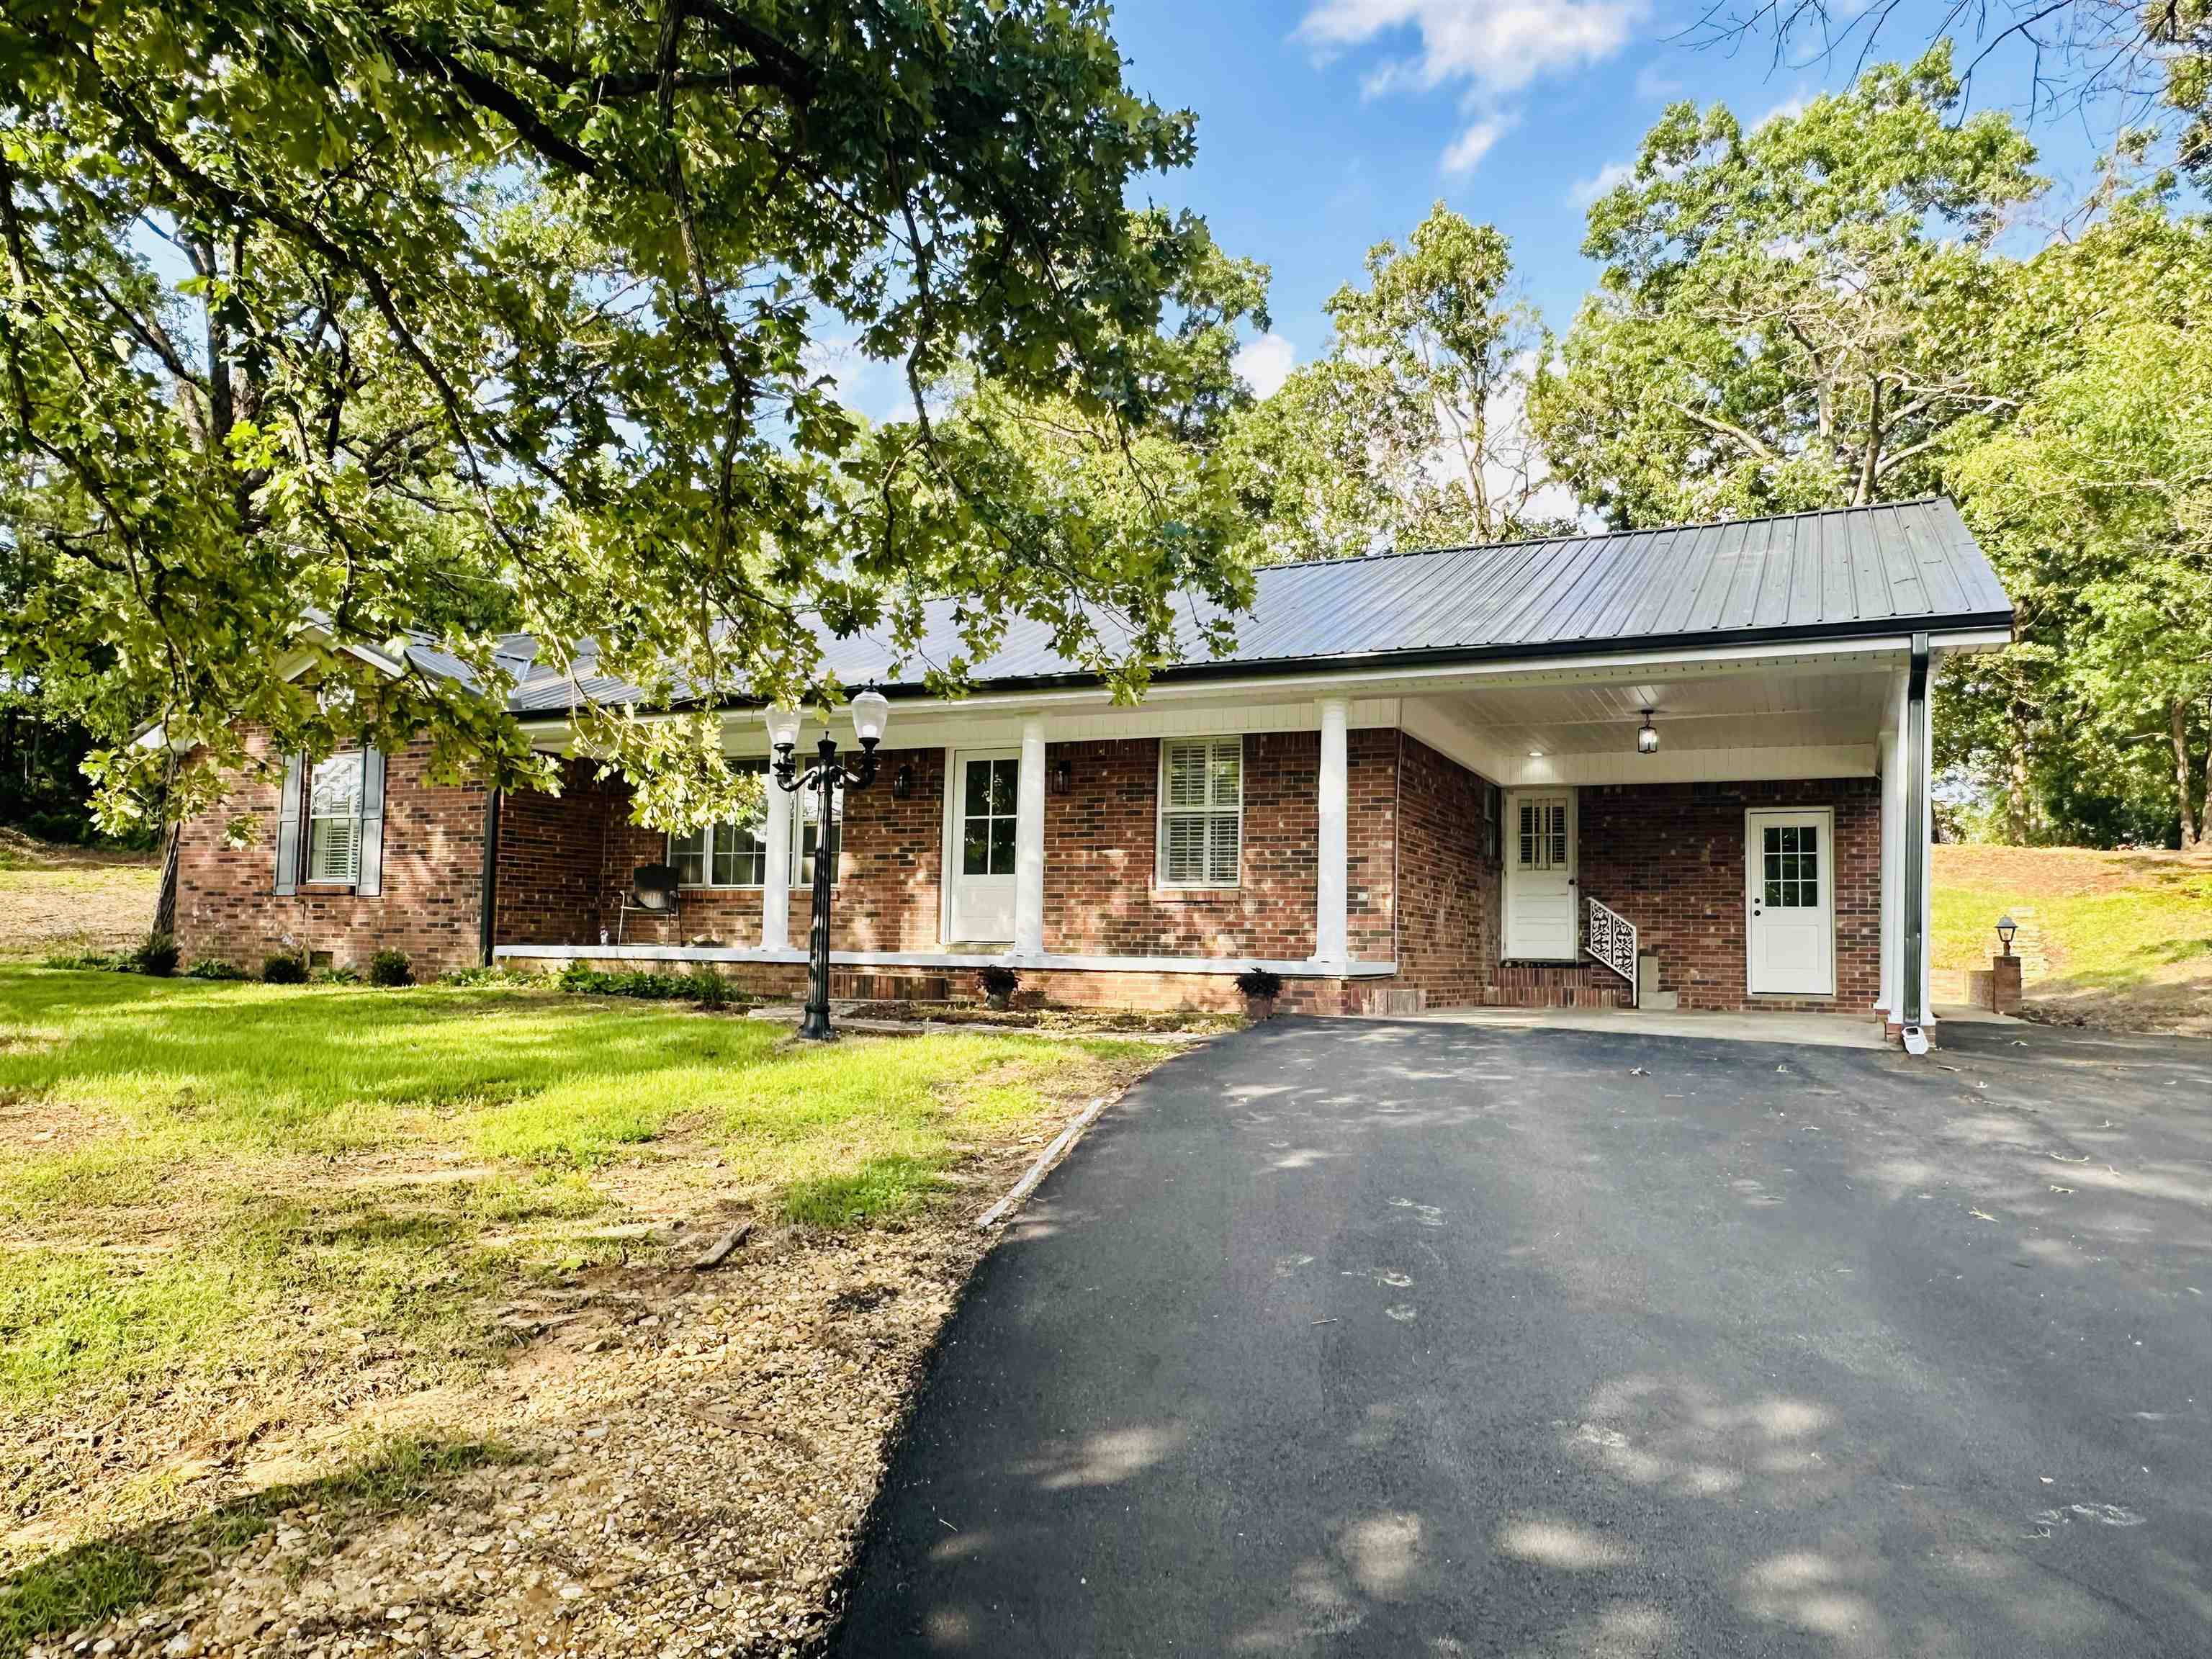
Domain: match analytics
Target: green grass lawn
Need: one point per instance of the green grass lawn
(2127, 935)
(234, 1212)
(186, 1166)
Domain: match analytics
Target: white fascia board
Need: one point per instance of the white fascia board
(929, 723)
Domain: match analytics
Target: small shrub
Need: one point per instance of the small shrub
(703, 986)
(1262, 983)
(391, 968)
(284, 968)
(99, 962)
(339, 973)
(156, 955)
(215, 968)
(998, 985)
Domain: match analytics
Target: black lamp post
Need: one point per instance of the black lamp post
(2005, 928)
(871, 714)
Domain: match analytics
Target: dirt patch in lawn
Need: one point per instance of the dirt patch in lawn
(438, 1372)
(59, 899)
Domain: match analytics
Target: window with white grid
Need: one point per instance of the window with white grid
(334, 819)
(1201, 811)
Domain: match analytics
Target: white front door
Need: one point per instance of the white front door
(1790, 878)
(985, 784)
(1539, 875)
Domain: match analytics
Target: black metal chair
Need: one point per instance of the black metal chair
(655, 891)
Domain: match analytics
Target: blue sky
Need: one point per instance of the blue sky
(1327, 125)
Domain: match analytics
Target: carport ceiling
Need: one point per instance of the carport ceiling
(1746, 711)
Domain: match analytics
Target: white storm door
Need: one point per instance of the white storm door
(986, 787)
(1539, 876)
(1788, 871)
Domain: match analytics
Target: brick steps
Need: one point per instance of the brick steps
(1555, 985)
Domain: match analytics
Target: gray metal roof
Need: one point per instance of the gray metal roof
(1849, 572)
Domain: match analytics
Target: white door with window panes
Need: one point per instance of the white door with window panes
(1789, 874)
(1541, 923)
(986, 788)
(1201, 811)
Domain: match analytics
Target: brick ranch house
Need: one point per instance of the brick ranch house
(1684, 766)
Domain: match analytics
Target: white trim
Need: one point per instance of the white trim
(1509, 858)
(1161, 883)
(1305, 969)
(1754, 872)
(920, 723)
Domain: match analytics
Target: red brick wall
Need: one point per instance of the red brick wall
(227, 908)
(1448, 933)
(551, 850)
(1669, 858)
(889, 871)
(1100, 896)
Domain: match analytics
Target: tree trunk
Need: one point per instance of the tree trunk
(2177, 715)
(2020, 812)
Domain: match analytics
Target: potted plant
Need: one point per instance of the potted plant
(1260, 987)
(998, 985)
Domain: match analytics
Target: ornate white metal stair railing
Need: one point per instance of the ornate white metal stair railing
(1611, 938)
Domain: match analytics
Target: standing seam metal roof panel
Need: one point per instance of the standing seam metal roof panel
(1837, 572)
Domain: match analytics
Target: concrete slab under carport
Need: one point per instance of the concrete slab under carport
(1751, 1025)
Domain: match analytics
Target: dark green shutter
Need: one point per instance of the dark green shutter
(288, 829)
(370, 882)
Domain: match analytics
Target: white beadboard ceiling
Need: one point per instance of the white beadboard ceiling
(1705, 712)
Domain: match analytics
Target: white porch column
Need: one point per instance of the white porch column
(1893, 847)
(775, 880)
(1029, 844)
(1330, 880)
(1923, 847)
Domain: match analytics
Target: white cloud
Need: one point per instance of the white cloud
(1655, 84)
(1468, 150)
(1790, 108)
(1265, 363)
(1495, 46)
(1609, 177)
(1491, 49)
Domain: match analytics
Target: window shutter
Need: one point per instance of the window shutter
(288, 829)
(369, 832)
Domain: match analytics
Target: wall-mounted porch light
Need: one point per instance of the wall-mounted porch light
(1647, 738)
(2005, 928)
(902, 783)
(1063, 775)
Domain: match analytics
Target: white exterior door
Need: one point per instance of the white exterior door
(1539, 875)
(980, 859)
(1790, 878)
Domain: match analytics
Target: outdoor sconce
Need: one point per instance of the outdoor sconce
(902, 783)
(1063, 776)
(2005, 928)
(1647, 740)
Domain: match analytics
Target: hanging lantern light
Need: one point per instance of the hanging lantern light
(1647, 739)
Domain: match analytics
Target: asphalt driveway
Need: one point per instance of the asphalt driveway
(1414, 1339)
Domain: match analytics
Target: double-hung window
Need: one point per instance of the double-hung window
(1201, 811)
(334, 819)
(729, 854)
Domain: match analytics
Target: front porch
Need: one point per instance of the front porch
(1477, 837)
